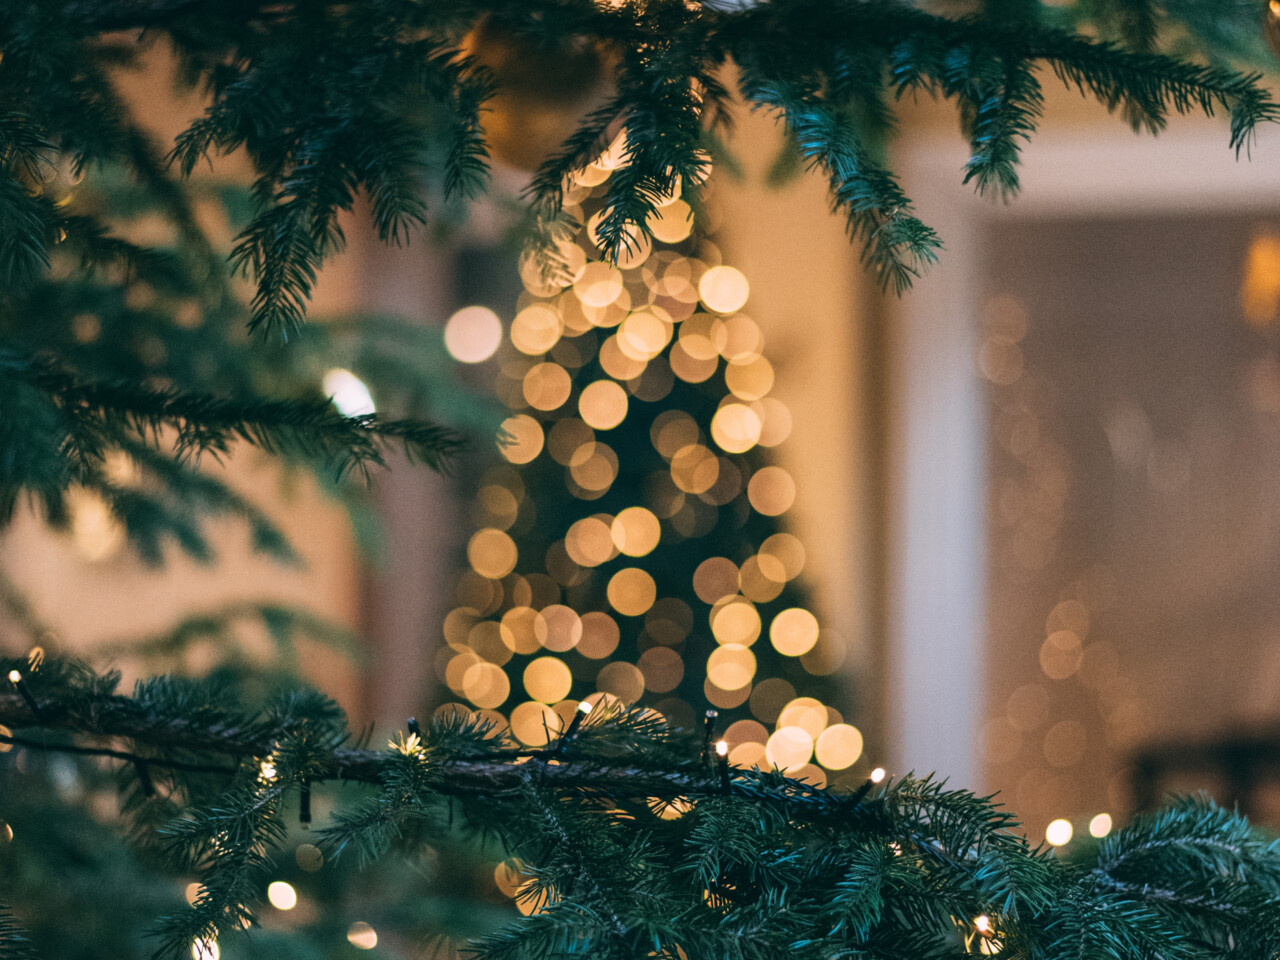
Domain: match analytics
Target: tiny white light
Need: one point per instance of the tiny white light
(206, 949)
(348, 393)
(722, 748)
(584, 708)
(267, 771)
(473, 334)
(15, 676)
(282, 895)
(362, 936)
(983, 925)
(877, 775)
(1059, 832)
(1100, 825)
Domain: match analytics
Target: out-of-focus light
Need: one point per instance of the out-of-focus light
(267, 772)
(282, 895)
(878, 775)
(15, 676)
(1100, 825)
(722, 748)
(205, 949)
(1058, 832)
(193, 892)
(362, 936)
(473, 334)
(983, 925)
(348, 393)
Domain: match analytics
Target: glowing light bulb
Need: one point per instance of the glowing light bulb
(473, 334)
(584, 708)
(878, 775)
(1100, 825)
(267, 772)
(722, 748)
(282, 895)
(983, 925)
(15, 676)
(1058, 832)
(348, 393)
(362, 936)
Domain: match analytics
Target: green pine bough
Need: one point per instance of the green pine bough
(633, 839)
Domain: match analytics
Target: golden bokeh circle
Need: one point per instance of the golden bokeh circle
(724, 289)
(662, 669)
(789, 748)
(735, 620)
(534, 724)
(603, 404)
(546, 386)
(807, 713)
(589, 542)
(731, 666)
(547, 679)
(486, 685)
(536, 329)
(622, 680)
(794, 632)
(839, 746)
(735, 428)
(525, 438)
(715, 578)
(631, 591)
(636, 531)
(600, 635)
(492, 553)
(519, 630)
(558, 628)
(771, 491)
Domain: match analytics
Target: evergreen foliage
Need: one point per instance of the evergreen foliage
(628, 843)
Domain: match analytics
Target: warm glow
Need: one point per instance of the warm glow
(599, 285)
(97, 533)
(486, 685)
(557, 628)
(524, 438)
(736, 621)
(839, 746)
(282, 895)
(632, 591)
(473, 334)
(1101, 825)
(983, 925)
(546, 386)
(736, 428)
(492, 553)
(15, 677)
(731, 666)
(205, 949)
(723, 289)
(636, 531)
(1058, 832)
(807, 713)
(603, 404)
(348, 393)
(600, 635)
(547, 679)
(771, 491)
(533, 724)
(715, 578)
(789, 748)
(623, 680)
(642, 336)
(722, 748)
(362, 936)
(794, 632)
(590, 542)
(672, 223)
(878, 775)
(309, 857)
(536, 329)
(267, 771)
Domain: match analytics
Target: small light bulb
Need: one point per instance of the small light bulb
(15, 676)
(1100, 825)
(267, 771)
(282, 895)
(877, 775)
(1058, 832)
(983, 925)
(722, 748)
(584, 708)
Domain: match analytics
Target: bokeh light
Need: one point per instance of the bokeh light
(473, 334)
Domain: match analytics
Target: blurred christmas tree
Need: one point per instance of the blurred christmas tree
(632, 545)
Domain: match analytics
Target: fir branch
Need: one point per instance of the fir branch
(98, 415)
(14, 943)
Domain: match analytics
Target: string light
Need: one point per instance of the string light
(282, 895)
(878, 775)
(1059, 832)
(16, 678)
(586, 354)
